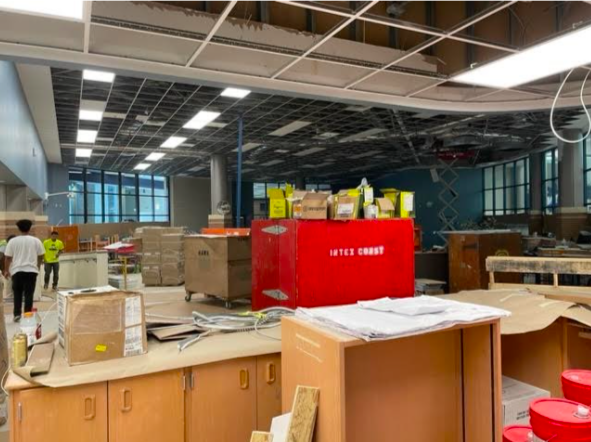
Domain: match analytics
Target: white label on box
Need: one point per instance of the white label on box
(409, 202)
(368, 194)
(345, 209)
(133, 311)
(134, 343)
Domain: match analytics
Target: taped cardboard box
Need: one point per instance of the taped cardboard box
(151, 276)
(151, 259)
(386, 208)
(172, 257)
(541, 338)
(100, 325)
(171, 243)
(218, 266)
(346, 206)
(310, 205)
(516, 399)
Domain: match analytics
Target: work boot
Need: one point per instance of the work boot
(45, 287)
(54, 288)
(17, 319)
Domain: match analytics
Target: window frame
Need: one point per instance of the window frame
(550, 209)
(120, 216)
(587, 171)
(512, 187)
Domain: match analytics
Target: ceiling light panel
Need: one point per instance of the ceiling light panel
(542, 60)
(309, 151)
(64, 9)
(272, 163)
(289, 128)
(90, 115)
(202, 119)
(173, 142)
(235, 93)
(83, 153)
(364, 154)
(326, 135)
(86, 136)
(365, 134)
(105, 77)
(155, 156)
(196, 169)
(142, 166)
(248, 146)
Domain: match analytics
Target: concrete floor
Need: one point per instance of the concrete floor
(162, 299)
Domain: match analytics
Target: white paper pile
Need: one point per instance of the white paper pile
(388, 318)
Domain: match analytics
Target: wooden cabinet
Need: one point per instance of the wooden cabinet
(468, 251)
(268, 390)
(72, 414)
(222, 401)
(147, 408)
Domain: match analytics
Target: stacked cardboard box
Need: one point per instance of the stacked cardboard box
(219, 221)
(162, 255)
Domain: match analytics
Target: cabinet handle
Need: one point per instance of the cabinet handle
(271, 373)
(90, 405)
(244, 381)
(125, 400)
(19, 412)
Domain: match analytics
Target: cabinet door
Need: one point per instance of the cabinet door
(221, 405)
(147, 408)
(268, 390)
(69, 414)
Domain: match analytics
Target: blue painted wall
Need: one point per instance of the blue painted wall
(20, 147)
(469, 203)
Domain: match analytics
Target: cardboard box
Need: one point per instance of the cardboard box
(171, 257)
(151, 276)
(541, 338)
(346, 205)
(150, 259)
(385, 208)
(516, 399)
(218, 266)
(101, 325)
(171, 242)
(277, 203)
(310, 205)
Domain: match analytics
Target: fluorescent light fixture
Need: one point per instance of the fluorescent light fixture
(142, 166)
(542, 60)
(86, 136)
(364, 154)
(196, 169)
(173, 142)
(105, 77)
(326, 135)
(233, 92)
(155, 156)
(248, 146)
(202, 119)
(309, 151)
(83, 153)
(91, 115)
(217, 124)
(357, 108)
(365, 134)
(65, 9)
(282, 151)
(116, 115)
(272, 163)
(155, 123)
(289, 128)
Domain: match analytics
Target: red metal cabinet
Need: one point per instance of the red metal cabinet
(298, 263)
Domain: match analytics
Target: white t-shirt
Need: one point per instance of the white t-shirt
(25, 251)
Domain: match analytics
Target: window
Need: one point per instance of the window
(113, 197)
(506, 188)
(587, 173)
(550, 181)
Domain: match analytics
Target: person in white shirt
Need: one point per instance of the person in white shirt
(24, 255)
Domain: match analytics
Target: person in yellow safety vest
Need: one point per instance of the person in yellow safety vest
(53, 249)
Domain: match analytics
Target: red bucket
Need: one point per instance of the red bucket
(518, 433)
(560, 420)
(576, 385)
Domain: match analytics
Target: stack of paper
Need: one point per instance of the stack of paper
(388, 318)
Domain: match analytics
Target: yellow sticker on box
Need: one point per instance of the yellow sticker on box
(100, 348)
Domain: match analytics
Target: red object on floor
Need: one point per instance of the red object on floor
(517, 433)
(560, 420)
(576, 385)
(297, 263)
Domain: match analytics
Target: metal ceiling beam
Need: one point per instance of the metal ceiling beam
(212, 32)
(326, 37)
(421, 47)
(72, 59)
(87, 15)
(399, 24)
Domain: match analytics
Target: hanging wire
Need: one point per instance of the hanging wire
(582, 103)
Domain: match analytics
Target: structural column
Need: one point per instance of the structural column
(571, 215)
(300, 183)
(219, 181)
(536, 224)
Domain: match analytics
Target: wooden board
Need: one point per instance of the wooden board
(562, 266)
(260, 436)
(70, 236)
(303, 414)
